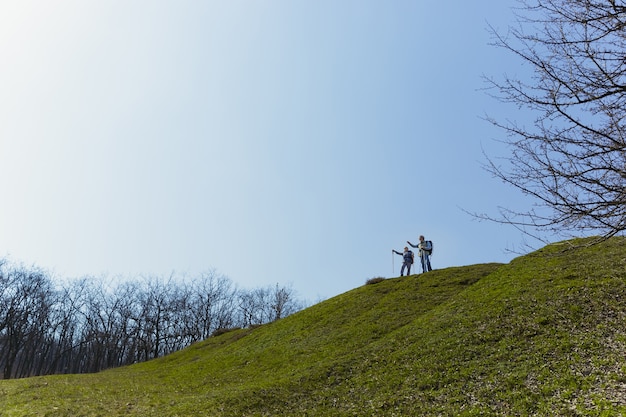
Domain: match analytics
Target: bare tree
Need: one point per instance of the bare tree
(266, 304)
(66, 324)
(283, 303)
(26, 299)
(211, 305)
(572, 160)
(252, 305)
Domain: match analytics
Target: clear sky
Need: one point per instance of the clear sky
(280, 142)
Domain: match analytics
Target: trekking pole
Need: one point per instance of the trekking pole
(393, 268)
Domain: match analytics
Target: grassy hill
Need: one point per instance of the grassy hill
(542, 335)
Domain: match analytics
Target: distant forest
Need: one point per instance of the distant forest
(88, 325)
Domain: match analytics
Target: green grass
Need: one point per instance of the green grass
(543, 335)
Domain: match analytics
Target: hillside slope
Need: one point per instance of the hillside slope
(543, 335)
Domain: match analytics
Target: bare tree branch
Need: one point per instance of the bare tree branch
(572, 160)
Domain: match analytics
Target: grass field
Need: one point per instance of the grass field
(544, 335)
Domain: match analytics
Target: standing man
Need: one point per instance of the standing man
(425, 250)
(407, 256)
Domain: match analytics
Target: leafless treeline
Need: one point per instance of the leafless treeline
(88, 325)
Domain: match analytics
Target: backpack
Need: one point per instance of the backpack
(412, 257)
(429, 242)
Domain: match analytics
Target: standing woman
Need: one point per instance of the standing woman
(407, 256)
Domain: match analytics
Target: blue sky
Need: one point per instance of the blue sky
(276, 141)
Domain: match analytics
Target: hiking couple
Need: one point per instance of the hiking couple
(425, 250)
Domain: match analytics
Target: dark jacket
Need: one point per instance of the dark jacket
(408, 256)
